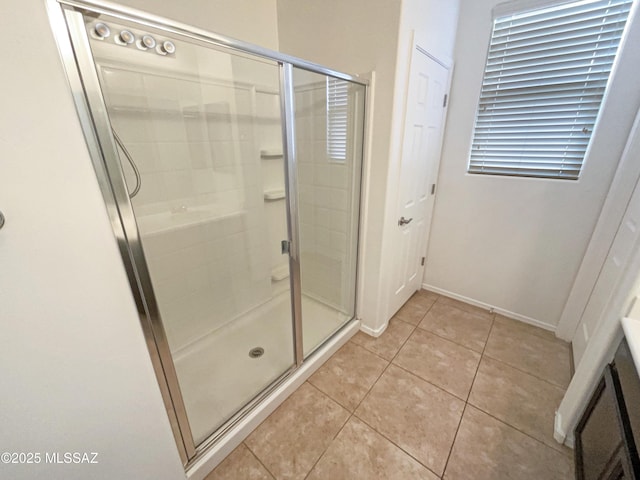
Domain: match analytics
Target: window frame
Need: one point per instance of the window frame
(512, 166)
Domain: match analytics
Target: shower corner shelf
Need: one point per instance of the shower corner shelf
(280, 273)
(271, 195)
(271, 153)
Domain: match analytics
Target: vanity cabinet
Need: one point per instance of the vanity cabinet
(608, 432)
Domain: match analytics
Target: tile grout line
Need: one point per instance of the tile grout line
(383, 372)
(329, 444)
(329, 359)
(518, 430)
(466, 402)
(324, 451)
(484, 354)
(475, 310)
(454, 341)
(524, 371)
(504, 422)
(409, 372)
(374, 384)
(487, 355)
(449, 340)
(256, 457)
(423, 315)
(352, 414)
(481, 357)
(415, 327)
(389, 363)
(409, 454)
(375, 353)
(535, 330)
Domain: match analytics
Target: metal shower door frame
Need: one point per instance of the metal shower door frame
(67, 21)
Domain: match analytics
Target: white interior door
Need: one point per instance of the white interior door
(424, 121)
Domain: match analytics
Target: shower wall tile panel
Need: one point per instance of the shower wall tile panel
(197, 147)
(325, 200)
(269, 134)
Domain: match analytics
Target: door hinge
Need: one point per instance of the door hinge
(444, 102)
(422, 262)
(285, 246)
(433, 188)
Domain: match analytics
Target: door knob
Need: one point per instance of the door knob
(404, 221)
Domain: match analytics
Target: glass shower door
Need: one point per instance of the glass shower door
(329, 127)
(198, 133)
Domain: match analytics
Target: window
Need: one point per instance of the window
(543, 84)
(337, 104)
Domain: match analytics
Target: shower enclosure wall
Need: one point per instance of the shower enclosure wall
(232, 178)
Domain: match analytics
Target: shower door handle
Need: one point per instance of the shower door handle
(285, 246)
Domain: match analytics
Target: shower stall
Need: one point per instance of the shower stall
(231, 175)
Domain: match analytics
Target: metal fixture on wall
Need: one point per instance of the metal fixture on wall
(102, 31)
(136, 172)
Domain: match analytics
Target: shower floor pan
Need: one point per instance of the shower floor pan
(218, 375)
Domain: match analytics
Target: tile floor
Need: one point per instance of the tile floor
(448, 391)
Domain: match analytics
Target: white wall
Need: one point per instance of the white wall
(434, 22)
(615, 287)
(75, 368)
(611, 214)
(626, 242)
(437, 20)
(599, 351)
(626, 199)
(516, 243)
(360, 36)
(356, 37)
(253, 21)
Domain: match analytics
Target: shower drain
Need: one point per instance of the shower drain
(256, 352)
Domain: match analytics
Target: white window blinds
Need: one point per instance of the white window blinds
(337, 110)
(543, 83)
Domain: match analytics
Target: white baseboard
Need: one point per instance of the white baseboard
(558, 432)
(209, 460)
(374, 332)
(560, 435)
(501, 311)
(570, 441)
